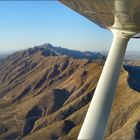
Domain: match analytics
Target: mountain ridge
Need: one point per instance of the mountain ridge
(48, 49)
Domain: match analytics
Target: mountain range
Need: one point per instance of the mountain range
(45, 92)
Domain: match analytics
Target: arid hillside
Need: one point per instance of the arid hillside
(44, 95)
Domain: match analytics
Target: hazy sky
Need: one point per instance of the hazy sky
(25, 24)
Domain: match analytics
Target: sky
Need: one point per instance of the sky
(25, 24)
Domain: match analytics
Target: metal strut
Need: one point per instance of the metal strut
(97, 116)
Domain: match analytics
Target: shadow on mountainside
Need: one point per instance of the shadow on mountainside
(133, 77)
(137, 131)
(33, 115)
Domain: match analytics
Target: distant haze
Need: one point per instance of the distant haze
(131, 55)
(135, 55)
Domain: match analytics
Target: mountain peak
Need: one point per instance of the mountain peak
(46, 45)
(45, 48)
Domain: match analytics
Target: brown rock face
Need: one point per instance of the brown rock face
(45, 96)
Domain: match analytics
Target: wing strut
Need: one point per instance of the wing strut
(97, 116)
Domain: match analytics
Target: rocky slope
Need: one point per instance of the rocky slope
(45, 94)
